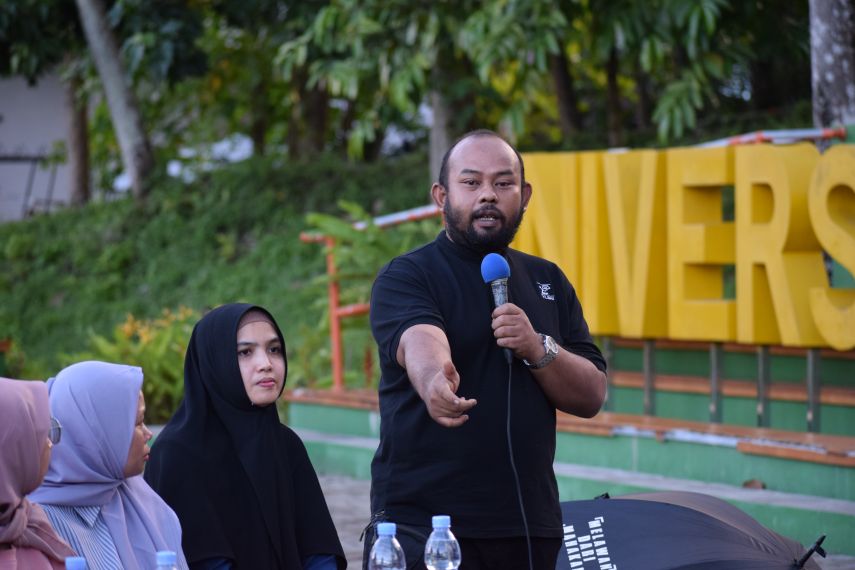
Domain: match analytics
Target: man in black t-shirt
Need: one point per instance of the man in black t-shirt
(462, 432)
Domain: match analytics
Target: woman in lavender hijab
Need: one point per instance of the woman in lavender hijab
(26, 437)
(93, 492)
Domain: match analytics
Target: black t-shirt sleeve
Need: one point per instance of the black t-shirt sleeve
(576, 337)
(400, 299)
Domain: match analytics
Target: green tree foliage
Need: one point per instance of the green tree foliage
(666, 60)
(385, 57)
(373, 56)
(338, 75)
(35, 35)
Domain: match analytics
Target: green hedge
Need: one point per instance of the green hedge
(232, 235)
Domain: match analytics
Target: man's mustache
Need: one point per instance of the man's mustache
(488, 211)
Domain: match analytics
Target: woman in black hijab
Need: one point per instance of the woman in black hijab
(241, 482)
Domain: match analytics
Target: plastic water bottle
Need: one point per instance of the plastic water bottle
(75, 563)
(386, 554)
(442, 552)
(166, 560)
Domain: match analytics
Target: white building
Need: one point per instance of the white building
(32, 121)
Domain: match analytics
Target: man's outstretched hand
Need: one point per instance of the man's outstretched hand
(443, 404)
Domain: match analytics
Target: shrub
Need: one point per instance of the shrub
(232, 235)
(158, 347)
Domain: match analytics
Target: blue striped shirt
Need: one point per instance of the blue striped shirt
(86, 532)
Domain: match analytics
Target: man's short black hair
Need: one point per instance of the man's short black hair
(443, 168)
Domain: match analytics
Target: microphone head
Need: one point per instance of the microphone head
(493, 267)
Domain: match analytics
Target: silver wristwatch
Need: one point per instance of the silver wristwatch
(551, 348)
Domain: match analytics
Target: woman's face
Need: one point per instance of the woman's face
(262, 362)
(138, 453)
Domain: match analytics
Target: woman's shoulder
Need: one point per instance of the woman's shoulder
(290, 436)
(294, 445)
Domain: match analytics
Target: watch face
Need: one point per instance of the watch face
(550, 345)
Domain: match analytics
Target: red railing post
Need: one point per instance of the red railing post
(335, 322)
(368, 367)
(337, 312)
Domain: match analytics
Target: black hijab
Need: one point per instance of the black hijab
(241, 482)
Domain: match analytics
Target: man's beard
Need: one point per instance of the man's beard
(466, 235)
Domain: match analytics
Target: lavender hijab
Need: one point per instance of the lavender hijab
(24, 424)
(96, 403)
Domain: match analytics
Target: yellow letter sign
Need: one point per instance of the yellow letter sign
(778, 258)
(635, 197)
(832, 211)
(700, 243)
(598, 282)
(551, 225)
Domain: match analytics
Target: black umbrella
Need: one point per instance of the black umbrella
(669, 530)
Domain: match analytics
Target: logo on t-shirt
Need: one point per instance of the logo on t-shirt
(546, 291)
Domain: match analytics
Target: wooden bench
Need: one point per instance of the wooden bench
(800, 446)
(669, 344)
(830, 395)
(354, 398)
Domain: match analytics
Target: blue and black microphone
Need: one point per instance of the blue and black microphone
(496, 271)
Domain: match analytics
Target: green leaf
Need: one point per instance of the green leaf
(692, 37)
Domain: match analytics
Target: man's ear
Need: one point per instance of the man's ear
(439, 194)
(526, 195)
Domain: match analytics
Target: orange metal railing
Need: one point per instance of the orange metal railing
(339, 311)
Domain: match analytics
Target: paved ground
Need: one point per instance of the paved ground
(348, 502)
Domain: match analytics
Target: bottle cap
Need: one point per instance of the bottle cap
(75, 563)
(386, 529)
(166, 558)
(441, 521)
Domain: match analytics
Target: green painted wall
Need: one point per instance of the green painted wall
(709, 463)
(331, 419)
(340, 459)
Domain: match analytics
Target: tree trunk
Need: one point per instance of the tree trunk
(643, 105)
(371, 149)
(260, 118)
(440, 138)
(348, 118)
(293, 136)
(613, 100)
(565, 92)
(136, 152)
(78, 142)
(317, 119)
(832, 46)
(764, 94)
